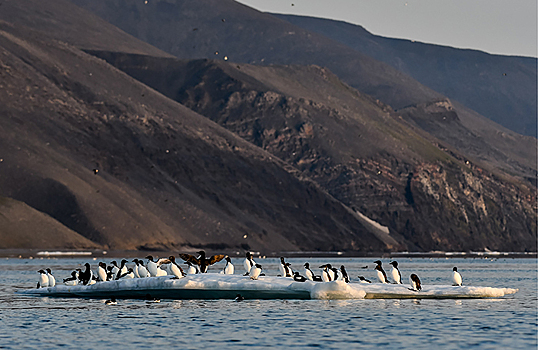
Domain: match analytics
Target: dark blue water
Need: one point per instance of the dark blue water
(509, 322)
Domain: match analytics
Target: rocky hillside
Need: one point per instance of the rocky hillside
(503, 88)
(227, 30)
(430, 196)
(127, 168)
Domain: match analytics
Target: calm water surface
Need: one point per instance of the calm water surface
(509, 322)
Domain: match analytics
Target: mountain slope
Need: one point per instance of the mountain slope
(503, 88)
(429, 195)
(127, 168)
(218, 29)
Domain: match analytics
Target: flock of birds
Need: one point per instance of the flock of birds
(169, 266)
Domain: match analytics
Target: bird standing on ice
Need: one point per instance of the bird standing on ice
(255, 271)
(456, 277)
(192, 270)
(308, 273)
(395, 272)
(325, 276)
(52, 280)
(101, 272)
(248, 263)
(381, 275)
(176, 270)
(202, 262)
(345, 277)
(43, 279)
(229, 268)
(415, 282)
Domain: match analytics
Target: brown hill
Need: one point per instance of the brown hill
(431, 196)
(128, 168)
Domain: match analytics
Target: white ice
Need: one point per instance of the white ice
(215, 285)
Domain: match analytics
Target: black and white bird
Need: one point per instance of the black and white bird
(298, 278)
(122, 269)
(73, 280)
(86, 276)
(337, 276)
(115, 269)
(43, 279)
(154, 266)
(111, 301)
(127, 275)
(239, 297)
(325, 275)
(343, 271)
(135, 268)
(176, 270)
(308, 273)
(456, 277)
(229, 268)
(282, 268)
(414, 281)
(395, 273)
(381, 275)
(202, 262)
(191, 270)
(101, 272)
(142, 270)
(255, 271)
(248, 263)
(364, 280)
(52, 280)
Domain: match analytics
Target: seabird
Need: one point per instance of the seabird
(153, 266)
(456, 277)
(123, 269)
(325, 276)
(192, 270)
(337, 277)
(127, 275)
(101, 272)
(71, 281)
(86, 276)
(364, 280)
(112, 301)
(381, 275)
(52, 280)
(248, 263)
(239, 297)
(297, 277)
(142, 270)
(308, 273)
(229, 268)
(176, 270)
(255, 271)
(282, 267)
(135, 268)
(415, 282)
(43, 279)
(202, 261)
(345, 277)
(395, 273)
(115, 269)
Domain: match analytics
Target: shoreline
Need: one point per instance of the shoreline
(67, 253)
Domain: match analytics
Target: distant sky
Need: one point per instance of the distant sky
(506, 27)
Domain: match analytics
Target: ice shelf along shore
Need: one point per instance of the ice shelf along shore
(219, 286)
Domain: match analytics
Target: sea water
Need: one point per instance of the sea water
(509, 322)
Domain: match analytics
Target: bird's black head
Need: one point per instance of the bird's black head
(378, 262)
(135, 261)
(201, 252)
(307, 265)
(248, 255)
(149, 257)
(394, 263)
(228, 259)
(282, 260)
(113, 262)
(172, 258)
(342, 268)
(329, 266)
(41, 271)
(87, 265)
(49, 271)
(455, 269)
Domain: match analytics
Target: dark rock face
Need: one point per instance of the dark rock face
(360, 151)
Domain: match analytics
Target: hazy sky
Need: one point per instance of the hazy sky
(505, 27)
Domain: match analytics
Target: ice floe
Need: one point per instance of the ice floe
(221, 286)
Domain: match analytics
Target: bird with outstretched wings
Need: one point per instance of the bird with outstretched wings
(202, 261)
